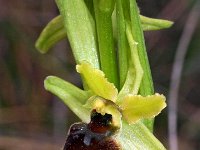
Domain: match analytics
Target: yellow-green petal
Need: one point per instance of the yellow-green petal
(96, 81)
(136, 107)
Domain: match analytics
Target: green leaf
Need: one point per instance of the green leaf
(97, 82)
(136, 107)
(72, 96)
(51, 34)
(80, 30)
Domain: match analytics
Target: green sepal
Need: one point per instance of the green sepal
(136, 107)
(51, 34)
(96, 81)
(72, 96)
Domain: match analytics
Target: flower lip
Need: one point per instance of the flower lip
(98, 134)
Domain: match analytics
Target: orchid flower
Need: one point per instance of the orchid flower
(119, 86)
(104, 97)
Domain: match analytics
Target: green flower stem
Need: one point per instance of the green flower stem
(123, 46)
(146, 87)
(103, 11)
(80, 30)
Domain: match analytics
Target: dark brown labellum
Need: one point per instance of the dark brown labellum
(97, 135)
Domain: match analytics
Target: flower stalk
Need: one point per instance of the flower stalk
(103, 11)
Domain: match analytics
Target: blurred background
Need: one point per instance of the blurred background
(31, 118)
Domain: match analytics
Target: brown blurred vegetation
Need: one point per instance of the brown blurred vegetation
(31, 116)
